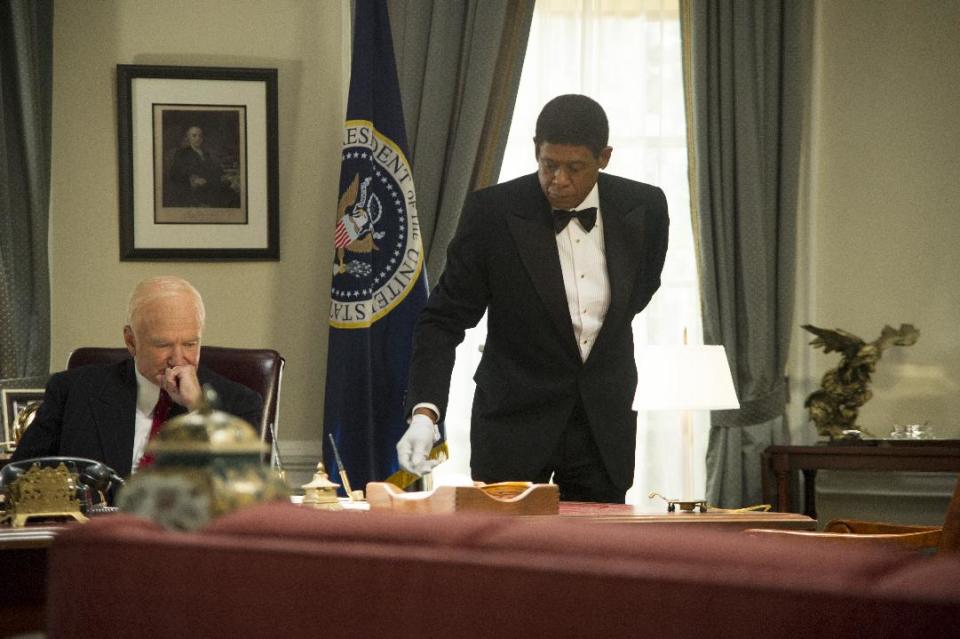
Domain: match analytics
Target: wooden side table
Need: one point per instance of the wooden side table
(780, 463)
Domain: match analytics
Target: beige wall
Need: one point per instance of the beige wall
(880, 234)
(281, 305)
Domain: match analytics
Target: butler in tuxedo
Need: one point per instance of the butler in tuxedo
(561, 261)
(108, 412)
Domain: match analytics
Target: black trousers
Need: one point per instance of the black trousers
(577, 468)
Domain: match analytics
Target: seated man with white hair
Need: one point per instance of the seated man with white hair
(107, 412)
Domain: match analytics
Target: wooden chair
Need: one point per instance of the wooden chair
(944, 538)
(258, 369)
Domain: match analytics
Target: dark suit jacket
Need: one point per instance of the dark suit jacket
(90, 412)
(503, 259)
(180, 192)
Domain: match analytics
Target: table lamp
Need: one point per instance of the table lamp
(685, 378)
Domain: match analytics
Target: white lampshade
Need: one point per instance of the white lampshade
(684, 377)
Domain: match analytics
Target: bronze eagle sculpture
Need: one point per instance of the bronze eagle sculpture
(844, 389)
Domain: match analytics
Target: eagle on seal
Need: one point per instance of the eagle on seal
(358, 212)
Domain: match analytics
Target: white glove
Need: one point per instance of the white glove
(414, 447)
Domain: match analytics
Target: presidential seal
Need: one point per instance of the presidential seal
(378, 254)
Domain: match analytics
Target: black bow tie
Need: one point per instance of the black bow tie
(587, 217)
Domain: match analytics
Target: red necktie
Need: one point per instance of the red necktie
(160, 413)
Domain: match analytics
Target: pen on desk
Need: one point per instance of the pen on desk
(341, 469)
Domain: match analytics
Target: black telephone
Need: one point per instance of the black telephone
(96, 485)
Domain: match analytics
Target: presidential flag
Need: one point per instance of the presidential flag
(379, 282)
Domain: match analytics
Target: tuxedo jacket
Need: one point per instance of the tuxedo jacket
(503, 260)
(90, 412)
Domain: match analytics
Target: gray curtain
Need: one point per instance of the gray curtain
(744, 76)
(459, 64)
(26, 48)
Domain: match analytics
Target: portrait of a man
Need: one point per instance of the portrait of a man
(201, 173)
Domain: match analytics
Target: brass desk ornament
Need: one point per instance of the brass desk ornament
(56, 488)
(43, 492)
(685, 505)
(17, 418)
(321, 493)
(24, 418)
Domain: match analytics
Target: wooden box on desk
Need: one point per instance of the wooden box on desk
(508, 498)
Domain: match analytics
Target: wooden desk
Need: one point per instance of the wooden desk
(23, 564)
(540, 502)
(628, 514)
(23, 552)
(780, 462)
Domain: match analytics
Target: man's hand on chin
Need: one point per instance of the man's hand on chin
(182, 385)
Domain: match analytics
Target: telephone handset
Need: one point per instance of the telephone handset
(95, 479)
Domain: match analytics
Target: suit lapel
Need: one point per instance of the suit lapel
(622, 225)
(114, 410)
(533, 235)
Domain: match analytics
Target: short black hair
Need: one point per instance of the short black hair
(573, 119)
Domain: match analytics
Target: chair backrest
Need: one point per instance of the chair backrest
(258, 369)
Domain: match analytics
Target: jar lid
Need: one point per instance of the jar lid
(208, 431)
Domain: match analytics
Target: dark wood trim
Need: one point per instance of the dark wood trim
(781, 462)
(126, 73)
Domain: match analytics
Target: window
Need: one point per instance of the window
(626, 55)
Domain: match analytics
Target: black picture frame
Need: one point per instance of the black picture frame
(15, 400)
(207, 196)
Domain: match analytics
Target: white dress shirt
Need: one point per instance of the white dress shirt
(585, 280)
(147, 395)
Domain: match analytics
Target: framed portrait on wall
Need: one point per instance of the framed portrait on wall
(198, 163)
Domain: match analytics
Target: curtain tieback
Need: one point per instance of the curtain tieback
(755, 410)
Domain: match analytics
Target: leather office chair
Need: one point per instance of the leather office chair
(945, 539)
(259, 369)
